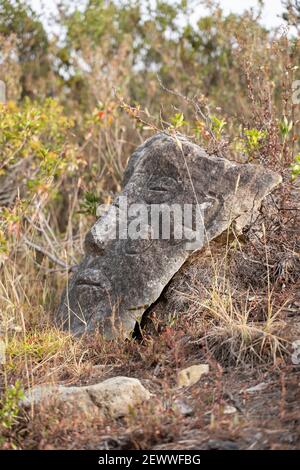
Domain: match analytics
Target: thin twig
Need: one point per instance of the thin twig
(197, 109)
(49, 255)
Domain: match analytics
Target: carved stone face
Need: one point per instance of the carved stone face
(120, 276)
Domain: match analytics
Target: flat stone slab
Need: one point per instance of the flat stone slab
(114, 397)
(128, 261)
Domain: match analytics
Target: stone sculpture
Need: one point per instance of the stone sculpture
(120, 276)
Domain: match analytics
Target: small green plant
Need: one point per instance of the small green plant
(254, 139)
(178, 121)
(218, 126)
(9, 405)
(90, 203)
(3, 243)
(285, 127)
(296, 167)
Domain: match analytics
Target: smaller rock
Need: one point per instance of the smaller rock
(117, 396)
(257, 388)
(183, 407)
(114, 397)
(229, 410)
(191, 375)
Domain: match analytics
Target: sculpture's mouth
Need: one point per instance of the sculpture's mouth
(93, 278)
(87, 283)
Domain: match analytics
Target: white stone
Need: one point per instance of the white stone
(191, 375)
(257, 388)
(229, 410)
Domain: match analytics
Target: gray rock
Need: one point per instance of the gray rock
(219, 444)
(183, 407)
(118, 279)
(114, 397)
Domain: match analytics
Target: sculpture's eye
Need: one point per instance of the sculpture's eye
(137, 247)
(163, 184)
(161, 189)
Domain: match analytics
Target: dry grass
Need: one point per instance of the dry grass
(229, 329)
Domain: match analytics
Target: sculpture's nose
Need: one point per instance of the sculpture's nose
(103, 232)
(92, 245)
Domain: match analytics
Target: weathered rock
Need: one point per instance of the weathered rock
(120, 277)
(114, 397)
(191, 375)
(219, 444)
(183, 407)
(229, 410)
(257, 388)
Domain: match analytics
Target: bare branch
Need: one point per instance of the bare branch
(53, 258)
